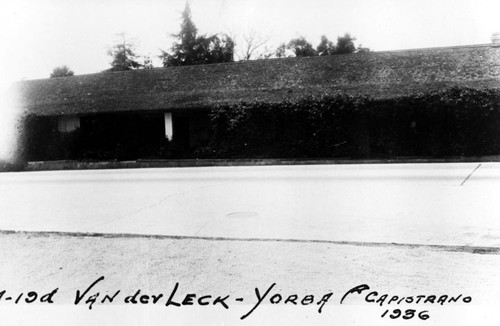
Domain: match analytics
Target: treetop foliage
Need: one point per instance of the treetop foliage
(253, 45)
(192, 49)
(281, 50)
(123, 54)
(61, 71)
(345, 44)
(188, 30)
(326, 47)
(302, 48)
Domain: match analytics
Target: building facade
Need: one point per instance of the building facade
(165, 112)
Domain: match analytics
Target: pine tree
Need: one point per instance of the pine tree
(123, 54)
(193, 49)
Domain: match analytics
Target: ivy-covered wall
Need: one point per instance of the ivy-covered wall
(452, 122)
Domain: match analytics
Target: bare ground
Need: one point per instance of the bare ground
(42, 262)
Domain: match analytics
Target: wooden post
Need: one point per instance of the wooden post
(169, 131)
(68, 123)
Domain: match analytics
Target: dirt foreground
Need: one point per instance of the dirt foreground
(43, 262)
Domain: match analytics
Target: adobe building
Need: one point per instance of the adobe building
(123, 115)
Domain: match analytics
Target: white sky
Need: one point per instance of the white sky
(38, 35)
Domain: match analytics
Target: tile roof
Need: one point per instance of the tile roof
(381, 75)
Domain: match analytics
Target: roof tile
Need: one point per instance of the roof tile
(381, 75)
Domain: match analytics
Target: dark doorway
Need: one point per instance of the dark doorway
(181, 135)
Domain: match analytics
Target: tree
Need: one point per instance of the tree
(345, 44)
(192, 49)
(123, 54)
(213, 49)
(221, 49)
(326, 47)
(252, 46)
(61, 71)
(147, 63)
(281, 51)
(362, 49)
(183, 51)
(302, 48)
